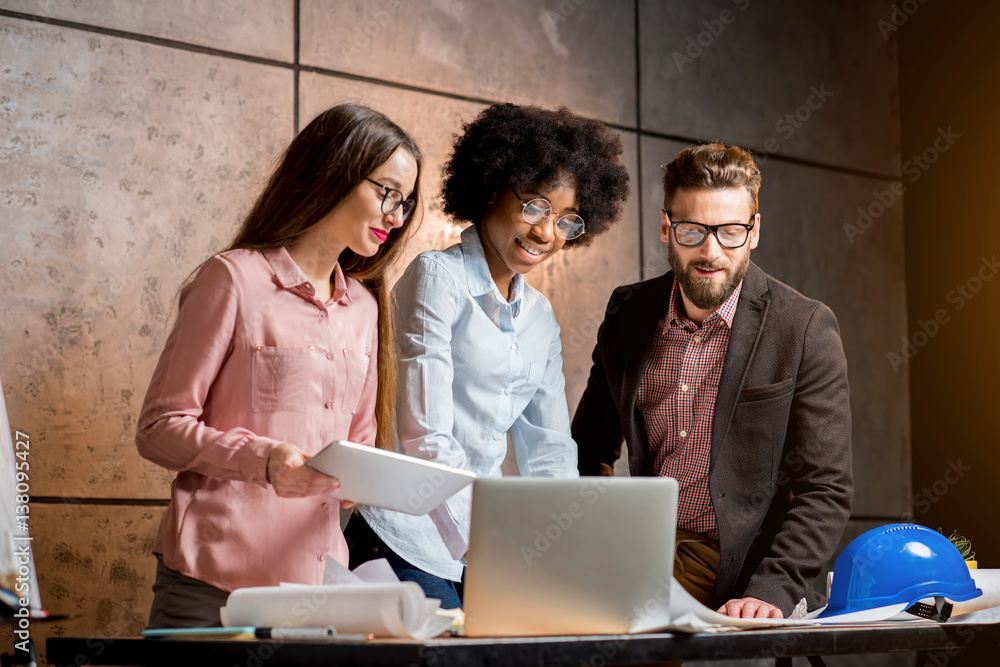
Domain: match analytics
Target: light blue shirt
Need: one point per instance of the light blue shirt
(472, 367)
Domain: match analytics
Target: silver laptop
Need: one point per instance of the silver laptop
(569, 556)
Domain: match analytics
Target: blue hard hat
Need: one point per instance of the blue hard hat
(900, 563)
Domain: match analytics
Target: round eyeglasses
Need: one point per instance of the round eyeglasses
(693, 234)
(393, 199)
(537, 210)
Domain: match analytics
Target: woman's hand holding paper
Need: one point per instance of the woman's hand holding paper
(288, 474)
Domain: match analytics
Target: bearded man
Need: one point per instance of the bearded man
(733, 383)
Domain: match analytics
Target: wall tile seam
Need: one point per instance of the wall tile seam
(97, 502)
(296, 41)
(788, 159)
(146, 39)
(297, 67)
(638, 143)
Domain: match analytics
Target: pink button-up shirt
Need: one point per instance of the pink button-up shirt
(254, 360)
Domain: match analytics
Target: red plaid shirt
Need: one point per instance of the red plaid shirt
(677, 401)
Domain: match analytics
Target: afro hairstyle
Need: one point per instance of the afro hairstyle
(526, 147)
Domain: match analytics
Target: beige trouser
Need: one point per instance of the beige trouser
(696, 565)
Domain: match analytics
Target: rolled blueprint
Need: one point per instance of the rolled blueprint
(989, 582)
(383, 610)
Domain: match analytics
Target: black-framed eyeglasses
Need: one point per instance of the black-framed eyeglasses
(729, 236)
(537, 210)
(393, 199)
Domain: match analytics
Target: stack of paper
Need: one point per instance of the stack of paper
(370, 600)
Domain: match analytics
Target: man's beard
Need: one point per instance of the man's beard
(706, 293)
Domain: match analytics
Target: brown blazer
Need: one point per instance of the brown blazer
(780, 471)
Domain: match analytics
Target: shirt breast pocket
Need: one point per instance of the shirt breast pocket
(527, 388)
(284, 380)
(357, 372)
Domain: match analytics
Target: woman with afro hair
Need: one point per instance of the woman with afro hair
(479, 353)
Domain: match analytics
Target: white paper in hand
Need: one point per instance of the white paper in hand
(390, 480)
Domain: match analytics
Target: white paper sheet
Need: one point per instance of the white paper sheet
(688, 615)
(366, 602)
(980, 617)
(381, 478)
(865, 616)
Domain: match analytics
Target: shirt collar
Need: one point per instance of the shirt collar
(477, 271)
(290, 276)
(725, 312)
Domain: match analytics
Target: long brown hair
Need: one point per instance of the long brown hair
(321, 166)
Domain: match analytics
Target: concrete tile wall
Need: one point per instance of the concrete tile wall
(735, 69)
(263, 28)
(553, 52)
(95, 564)
(125, 165)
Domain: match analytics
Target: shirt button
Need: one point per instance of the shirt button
(683, 434)
(329, 405)
(322, 313)
(329, 355)
(506, 390)
(697, 339)
(513, 347)
(322, 557)
(496, 436)
(311, 347)
(326, 507)
(684, 387)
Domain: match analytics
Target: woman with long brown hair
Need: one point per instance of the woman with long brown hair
(282, 343)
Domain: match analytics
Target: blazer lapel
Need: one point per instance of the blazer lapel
(751, 313)
(639, 341)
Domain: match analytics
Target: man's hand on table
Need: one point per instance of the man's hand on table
(750, 608)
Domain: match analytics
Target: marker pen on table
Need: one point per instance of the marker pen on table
(291, 632)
